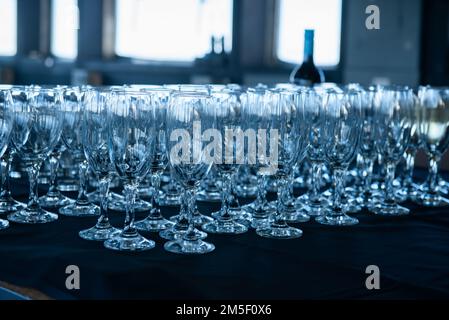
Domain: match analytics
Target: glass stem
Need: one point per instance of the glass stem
(288, 196)
(54, 164)
(33, 201)
(103, 188)
(433, 174)
(227, 183)
(155, 213)
(368, 177)
(189, 201)
(281, 190)
(338, 192)
(409, 167)
(316, 172)
(130, 191)
(82, 195)
(260, 190)
(389, 188)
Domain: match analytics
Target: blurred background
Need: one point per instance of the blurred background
(115, 42)
(202, 41)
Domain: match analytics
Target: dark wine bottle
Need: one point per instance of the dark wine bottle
(307, 74)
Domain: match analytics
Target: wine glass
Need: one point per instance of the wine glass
(155, 222)
(342, 113)
(394, 123)
(287, 131)
(313, 203)
(72, 136)
(255, 113)
(212, 193)
(95, 146)
(371, 98)
(434, 133)
(6, 124)
(190, 122)
(132, 121)
(226, 162)
(37, 129)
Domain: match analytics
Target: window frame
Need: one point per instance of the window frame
(275, 41)
(163, 63)
(12, 57)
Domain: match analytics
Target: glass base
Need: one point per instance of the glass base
(337, 220)
(75, 210)
(228, 226)
(99, 234)
(296, 217)
(182, 246)
(129, 243)
(3, 224)
(198, 219)
(352, 207)
(280, 231)
(39, 216)
(401, 195)
(312, 209)
(153, 224)
(56, 201)
(175, 234)
(432, 200)
(390, 210)
(10, 205)
(444, 186)
(119, 204)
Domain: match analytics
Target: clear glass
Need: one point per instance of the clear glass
(343, 116)
(72, 135)
(188, 27)
(132, 121)
(324, 16)
(8, 28)
(256, 117)
(434, 134)
(155, 222)
(395, 119)
(95, 143)
(189, 115)
(287, 128)
(37, 129)
(229, 119)
(64, 31)
(313, 203)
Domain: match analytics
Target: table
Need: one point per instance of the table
(411, 252)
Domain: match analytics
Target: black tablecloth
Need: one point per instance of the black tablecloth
(412, 253)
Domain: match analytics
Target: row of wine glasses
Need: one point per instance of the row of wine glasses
(343, 145)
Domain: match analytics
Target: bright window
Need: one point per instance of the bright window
(324, 16)
(65, 25)
(171, 30)
(8, 27)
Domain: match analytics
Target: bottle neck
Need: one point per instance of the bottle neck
(308, 49)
